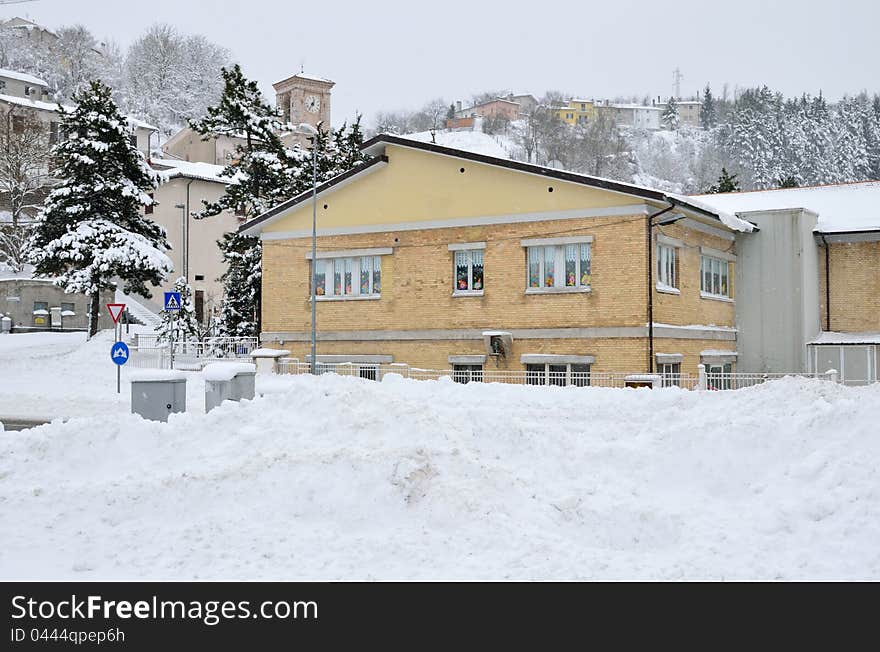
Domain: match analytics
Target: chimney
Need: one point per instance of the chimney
(458, 105)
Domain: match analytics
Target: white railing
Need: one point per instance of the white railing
(150, 353)
(378, 371)
(707, 381)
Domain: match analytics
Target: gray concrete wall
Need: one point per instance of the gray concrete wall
(18, 296)
(777, 281)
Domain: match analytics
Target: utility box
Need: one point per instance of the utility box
(217, 391)
(5, 324)
(267, 359)
(228, 381)
(643, 380)
(156, 394)
(244, 384)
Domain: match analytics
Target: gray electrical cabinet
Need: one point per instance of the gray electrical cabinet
(217, 391)
(155, 399)
(244, 385)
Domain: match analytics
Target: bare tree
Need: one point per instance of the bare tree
(24, 177)
(172, 78)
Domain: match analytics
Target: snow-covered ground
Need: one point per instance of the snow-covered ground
(342, 478)
(60, 375)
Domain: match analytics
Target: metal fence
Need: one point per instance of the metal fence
(569, 378)
(150, 353)
(708, 381)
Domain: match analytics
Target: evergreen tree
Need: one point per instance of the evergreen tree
(726, 183)
(260, 177)
(708, 113)
(669, 117)
(91, 229)
(181, 325)
(788, 182)
(264, 174)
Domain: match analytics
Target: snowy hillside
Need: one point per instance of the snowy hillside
(469, 141)
(341, 478)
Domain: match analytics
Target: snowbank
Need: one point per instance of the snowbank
(219, 371)
(342, 478)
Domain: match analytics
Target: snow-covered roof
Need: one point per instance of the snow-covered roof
(140, 124)
(831, 337)
(642, 107)
(23, 77)
(303, 75)
(33, 104)
(841, 208)
(190, 169)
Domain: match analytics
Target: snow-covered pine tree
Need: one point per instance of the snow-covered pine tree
(91, 229)
(180, 325)
(708, 113)
(242, 289)
(265, 174)
(260, 177)
(669, 117)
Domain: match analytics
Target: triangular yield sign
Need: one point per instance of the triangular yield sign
(115, 310)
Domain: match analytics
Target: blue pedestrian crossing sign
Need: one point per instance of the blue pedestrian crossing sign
(172, 301)
(119, 353)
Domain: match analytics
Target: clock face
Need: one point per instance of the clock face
(313, 104)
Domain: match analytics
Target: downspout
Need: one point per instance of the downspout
(186, 234)
(649, 243)
(827, 284)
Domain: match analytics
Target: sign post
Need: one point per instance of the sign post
(172, 304)
(119, 351)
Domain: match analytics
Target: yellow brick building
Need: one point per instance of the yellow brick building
(440, 258)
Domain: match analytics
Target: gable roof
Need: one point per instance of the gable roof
(172, 168)
(842, 207)
(376, 147)
(23, 77)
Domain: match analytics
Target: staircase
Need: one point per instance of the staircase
(139, 309)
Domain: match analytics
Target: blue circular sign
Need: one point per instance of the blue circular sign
(119, 353)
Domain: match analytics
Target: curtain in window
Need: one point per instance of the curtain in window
(585, 265)
(571, 263)
(477, 257)
(534, 267)
(549, 266)
(461, 270)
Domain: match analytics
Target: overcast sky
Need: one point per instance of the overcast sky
(386, 54)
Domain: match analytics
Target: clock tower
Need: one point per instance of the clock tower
(304, 98)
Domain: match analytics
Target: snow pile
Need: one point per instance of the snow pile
(345, 478)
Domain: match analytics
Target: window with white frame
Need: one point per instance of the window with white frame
(718, 375)
(666, 266)
(670, 373)
(559, 266)
(467, 373)
(714, 277)
(468, 271)
(558, 374)
(352, 276)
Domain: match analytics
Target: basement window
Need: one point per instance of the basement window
(560, 374)
(467, 373)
